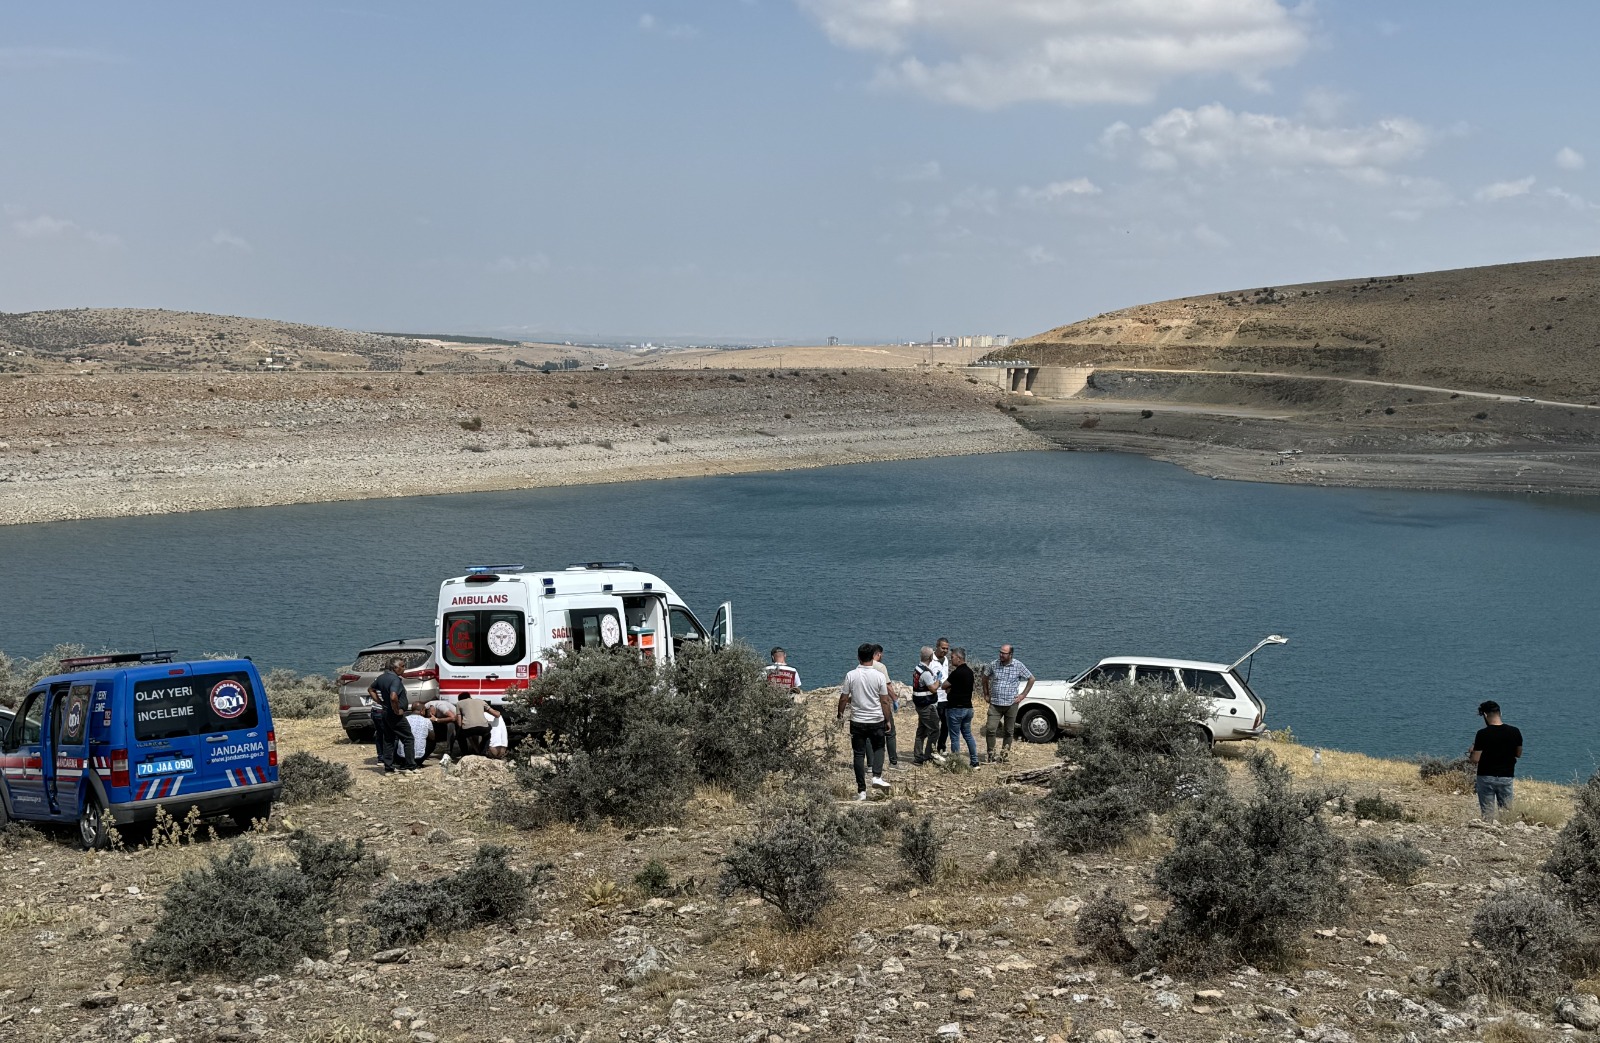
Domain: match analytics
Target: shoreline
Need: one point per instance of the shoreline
(320, 438)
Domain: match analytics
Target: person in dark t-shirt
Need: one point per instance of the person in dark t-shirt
(389, 692)
(1495, 750)
(958, 704)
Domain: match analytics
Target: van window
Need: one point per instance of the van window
(684, 625)
(173, 707)
(30, 722)
(72, 716)
(594, 628)
(1207, 682)
(484, 638)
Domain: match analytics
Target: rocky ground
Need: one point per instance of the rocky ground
(973, 957)
(82, 446)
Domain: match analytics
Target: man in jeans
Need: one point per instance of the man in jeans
(1003, 690)
(389, 693)
(866, 695)
(958, 707)
(941, 659)
(925, 682)
(1495, 750)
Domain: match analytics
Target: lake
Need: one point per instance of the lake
(1403, 609)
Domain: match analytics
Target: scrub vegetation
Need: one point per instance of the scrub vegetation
(307, 777)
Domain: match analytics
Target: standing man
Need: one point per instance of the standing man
(866, 695)
(389, 692)
(958, 708)
(926, 684)
(941, 658)
(781, 674)
(1003, 690)
(891, 736)
(1495, 750)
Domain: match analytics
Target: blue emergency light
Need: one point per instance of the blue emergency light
(478, 570)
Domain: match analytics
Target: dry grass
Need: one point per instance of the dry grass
(28, 913)
(1510, 1032)
(1541, 809)
(344, 1032)
(775, 947)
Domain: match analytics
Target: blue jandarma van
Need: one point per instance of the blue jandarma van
(118, 736)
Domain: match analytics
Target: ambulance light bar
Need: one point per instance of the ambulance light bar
(76, 663)
(628, 565)
(477, 570)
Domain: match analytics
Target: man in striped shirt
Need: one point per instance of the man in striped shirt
(1003, 688)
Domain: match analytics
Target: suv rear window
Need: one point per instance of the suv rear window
(376, 661)
(173, 707)
(484, 638)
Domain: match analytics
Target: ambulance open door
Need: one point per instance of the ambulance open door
(722, 626)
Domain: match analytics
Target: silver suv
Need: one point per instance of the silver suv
(421, 676)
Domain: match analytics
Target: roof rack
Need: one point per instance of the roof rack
(628, 565)
(479, 570)
(73, 664)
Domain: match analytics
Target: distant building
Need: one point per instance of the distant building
(981, 340)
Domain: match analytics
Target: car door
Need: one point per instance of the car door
(67, 754)
(21, 758)
(682, 628)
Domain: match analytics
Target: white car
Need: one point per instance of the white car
(1236, 711)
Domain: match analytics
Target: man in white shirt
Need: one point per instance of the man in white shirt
(925, 693)
(865, 694)
(499, 739)
(941, 659)
(421, 734)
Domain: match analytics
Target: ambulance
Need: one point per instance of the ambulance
(499, 626)
(114, 738)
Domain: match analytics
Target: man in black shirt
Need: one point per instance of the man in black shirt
(389, 693)
(958, 705)
(1495, 750)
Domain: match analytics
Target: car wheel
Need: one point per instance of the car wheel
(1202, 735)
(92, 831)
(1038, 726)
(245, 817)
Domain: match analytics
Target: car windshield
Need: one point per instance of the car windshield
(376, 661)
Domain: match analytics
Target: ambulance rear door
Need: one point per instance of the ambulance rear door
(483, 648)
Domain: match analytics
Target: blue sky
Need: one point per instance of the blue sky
(790, 169)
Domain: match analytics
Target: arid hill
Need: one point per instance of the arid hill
(1529, 328)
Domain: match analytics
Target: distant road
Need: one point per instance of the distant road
(1491, 396)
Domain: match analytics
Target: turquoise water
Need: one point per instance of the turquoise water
(1404, 610)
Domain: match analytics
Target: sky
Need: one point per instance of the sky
(744, 170)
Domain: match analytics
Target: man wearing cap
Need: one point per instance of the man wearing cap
(1003, 689)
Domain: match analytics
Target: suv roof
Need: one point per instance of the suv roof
(399, 644)
(1181, 664)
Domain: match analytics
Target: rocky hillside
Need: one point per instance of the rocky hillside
(128, 339)
(1529, 328)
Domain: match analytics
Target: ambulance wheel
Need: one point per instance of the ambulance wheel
(92, 825)
(245, 817)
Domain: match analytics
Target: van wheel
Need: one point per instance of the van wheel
(1038, 726)
(245, 817)
(92, 826)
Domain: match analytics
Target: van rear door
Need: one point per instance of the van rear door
(480, 650)
(196, 731)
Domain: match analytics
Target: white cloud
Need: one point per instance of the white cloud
(1037, 254)
(528, 264)
(990, 53)
(43, 226)
(1213, 135)
(226, 239)
(1576, 202)
(649, 23)
(1503, 190)
(1570, 159)
(1057, 190)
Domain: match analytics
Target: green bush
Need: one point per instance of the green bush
(1435, 767)
(787, 859)
(1377, 809)
(920, 849)
(487, 890)
(1575, 859)
(1246, 877)
(1139, 752)
(307, 778)
(1397, 861)
(654, 879)
(236, 916)
(490, 890)
(629, 743)
(293, 695)
(404, 912)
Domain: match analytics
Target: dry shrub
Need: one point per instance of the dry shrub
(921, 847)
(1447, 775)
(337, 867)
(1139, 752)
(294, 695)
(1246, 877)
(17, 675)
(787, 860)
(1529, 943)
(237, 916)
(307, 778)
(1099, 930)
(487, 890)
(1397, 861)
(1539, 810)
(1575, 859)
(1376, 808)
